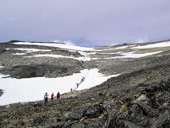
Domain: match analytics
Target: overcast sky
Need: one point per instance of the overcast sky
(85, 22)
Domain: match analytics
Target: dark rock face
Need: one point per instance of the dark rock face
(2, 50)
(93, 111)
(147, 112)
(13, 41)
(1, 92)
(28, 71)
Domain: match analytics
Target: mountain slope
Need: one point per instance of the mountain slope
(137, 97)
(115, 103)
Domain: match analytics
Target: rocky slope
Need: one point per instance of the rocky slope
(139, 97)
(120, 59)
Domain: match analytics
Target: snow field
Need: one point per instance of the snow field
(71, 48)
(33, 89)
(84, 51)
(87, 58)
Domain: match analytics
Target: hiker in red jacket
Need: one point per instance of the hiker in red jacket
(52, 96)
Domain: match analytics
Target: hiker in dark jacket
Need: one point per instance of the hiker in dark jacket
(58, 96)
(46, 98)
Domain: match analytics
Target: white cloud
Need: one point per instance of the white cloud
(112, 21)
(69, 42)
(142, 40)
(56, 41)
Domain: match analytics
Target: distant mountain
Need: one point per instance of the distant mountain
(129, 85)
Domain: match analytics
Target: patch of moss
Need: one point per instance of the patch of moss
(128, 104)
(100, 101)
(152, 94)
(87, 122)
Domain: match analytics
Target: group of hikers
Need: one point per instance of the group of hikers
(46, 96)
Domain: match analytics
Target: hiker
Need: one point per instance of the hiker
(83, 78)
(71, 89)
(58, 96)
(52, 96)
(46, 98)
(77, 85)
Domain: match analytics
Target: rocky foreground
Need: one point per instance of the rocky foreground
(139, 98)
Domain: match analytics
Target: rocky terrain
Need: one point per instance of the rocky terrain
(25, 58)
(138, 98)
(18, 66)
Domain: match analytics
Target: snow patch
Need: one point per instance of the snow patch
(157, 45)
(129, 55)
(94, 78)
(122, 47)
(57, 45)
(105, 53)
(29, 50)
(85, 55)
(61, 56)
(132, 55)
(18, 54)
(33, 89)
(1, 66)
(106, 49)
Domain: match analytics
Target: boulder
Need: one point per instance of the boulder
(93, 111)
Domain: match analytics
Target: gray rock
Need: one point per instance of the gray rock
(2, 50)
(74, 115)
(129, 124)
(78, 126)
(96, 125)
(158, 122)
(93, 111)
